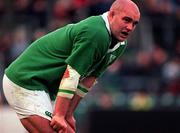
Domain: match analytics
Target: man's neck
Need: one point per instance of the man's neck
(114, 41)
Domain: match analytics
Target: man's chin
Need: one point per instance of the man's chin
(121, 39)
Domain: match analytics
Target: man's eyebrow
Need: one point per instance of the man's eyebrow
(129, 18)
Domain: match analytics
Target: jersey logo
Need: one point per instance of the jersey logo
(111, 58)
(49, 114)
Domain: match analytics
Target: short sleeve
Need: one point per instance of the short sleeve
(84, 54)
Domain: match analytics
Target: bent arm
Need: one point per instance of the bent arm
(81, 91)
(66, 92)
(84, 87)
(68, 98)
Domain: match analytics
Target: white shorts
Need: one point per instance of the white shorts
(27, 102)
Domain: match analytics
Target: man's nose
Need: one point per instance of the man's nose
(130, 27)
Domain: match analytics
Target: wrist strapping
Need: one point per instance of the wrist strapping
(69, 83)
(82, 90)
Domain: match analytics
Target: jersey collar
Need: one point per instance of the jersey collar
(104, 16)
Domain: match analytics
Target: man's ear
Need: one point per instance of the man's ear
(111, 14)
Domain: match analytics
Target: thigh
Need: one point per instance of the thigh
(28, 126)
(37, 124)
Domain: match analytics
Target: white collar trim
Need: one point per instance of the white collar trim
(104, 16)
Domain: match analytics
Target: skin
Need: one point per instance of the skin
(123, 17)
(63, 113)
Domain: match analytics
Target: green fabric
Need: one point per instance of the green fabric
(109, 59)
(42, 65)
(83, 46)
(82, 89)
(66, 91)
(90, 45)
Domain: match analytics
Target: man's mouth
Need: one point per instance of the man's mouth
(124, 33)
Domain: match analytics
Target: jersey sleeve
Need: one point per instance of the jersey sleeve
(90, 44)
(84, 54)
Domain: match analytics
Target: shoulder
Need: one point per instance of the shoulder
(94, 27)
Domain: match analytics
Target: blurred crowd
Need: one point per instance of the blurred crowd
(148, 70)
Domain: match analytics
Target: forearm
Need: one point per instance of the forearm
(66, 91)
(58, 121)
(85, 84)
(74, 103)
(62, 106)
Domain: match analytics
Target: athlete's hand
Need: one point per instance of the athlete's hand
(58, 123)
(71, 121)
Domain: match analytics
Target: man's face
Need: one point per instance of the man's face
(122, 23)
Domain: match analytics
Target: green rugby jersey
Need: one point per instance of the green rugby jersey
(84, 46)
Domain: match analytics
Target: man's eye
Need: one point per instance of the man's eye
(127, 20)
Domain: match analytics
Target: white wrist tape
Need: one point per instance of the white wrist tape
(69, 83)
(81, 90)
